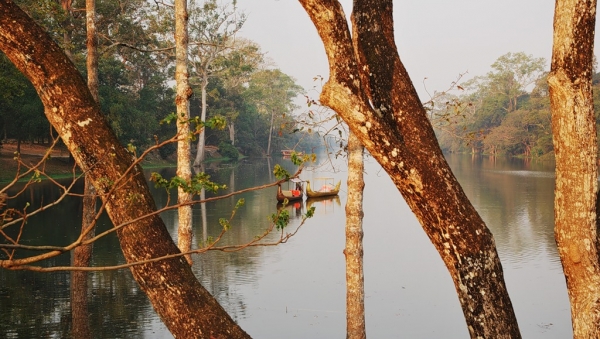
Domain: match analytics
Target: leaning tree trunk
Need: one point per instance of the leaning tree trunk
(355, 287)
(186, 308)
(372, 92)
(184, 171)
(575, 148)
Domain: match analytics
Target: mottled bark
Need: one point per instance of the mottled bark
(372, 92)
(575, 147)
(83, 254)
(186, 308)
(184, 155)
(355, 288)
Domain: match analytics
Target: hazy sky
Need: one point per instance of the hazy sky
(437, 39)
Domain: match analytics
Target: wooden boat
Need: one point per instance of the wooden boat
(326, 190)
(293, 193)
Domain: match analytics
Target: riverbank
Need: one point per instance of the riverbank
(58, 165)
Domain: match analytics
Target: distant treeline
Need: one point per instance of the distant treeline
(506, 111)
(136, 83)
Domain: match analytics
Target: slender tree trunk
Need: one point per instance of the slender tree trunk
(200, 150)
(186, 308)
(372, 92)
(355, 290)
(270, 134)
(575, 147)
(231, 127)
(83, 254)
(92, 48)
(184, 171)
(81, 258)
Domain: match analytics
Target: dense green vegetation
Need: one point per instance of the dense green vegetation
(506, 111)
(136, 82)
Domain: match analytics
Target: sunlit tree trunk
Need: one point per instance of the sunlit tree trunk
(185, 307)
(184, 171)
(385, 113)
(575, 148)
(83, 254)
(355, 290)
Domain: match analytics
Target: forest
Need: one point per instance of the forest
(136, 87)
(504, 112)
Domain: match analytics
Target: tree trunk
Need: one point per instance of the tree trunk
(81, 258)
(184, 171)
(355, 289)
(186, 308)
(231, 127)
(575, 147)
(200, 151)
(83, 254)
(372, 92)
(270, 134)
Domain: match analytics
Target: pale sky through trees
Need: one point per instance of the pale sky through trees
(437, 39)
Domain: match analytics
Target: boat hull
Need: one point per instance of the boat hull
(319, 194)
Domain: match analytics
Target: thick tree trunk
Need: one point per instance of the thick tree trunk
(184, 171)
(355, 289)
(200, 149)
(394, 128)
(186, 308)
(575, 147)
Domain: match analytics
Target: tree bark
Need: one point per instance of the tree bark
(383, 109)
(185, 307)
(575, 147)
(83, 254)
(355, 289)
(200, 149)
(184, 155)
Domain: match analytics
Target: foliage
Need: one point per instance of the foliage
(199, 182)
(135, 63)
(507, 111)
(228, 150)
(21, 111)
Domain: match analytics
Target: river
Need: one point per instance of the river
(297, 289)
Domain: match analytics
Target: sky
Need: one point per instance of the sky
(436, 39)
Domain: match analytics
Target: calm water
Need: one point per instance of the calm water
(297, 290)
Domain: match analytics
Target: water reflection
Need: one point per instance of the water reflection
(297, 290)
(516, 204)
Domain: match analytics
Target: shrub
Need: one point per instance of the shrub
(228, 150)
